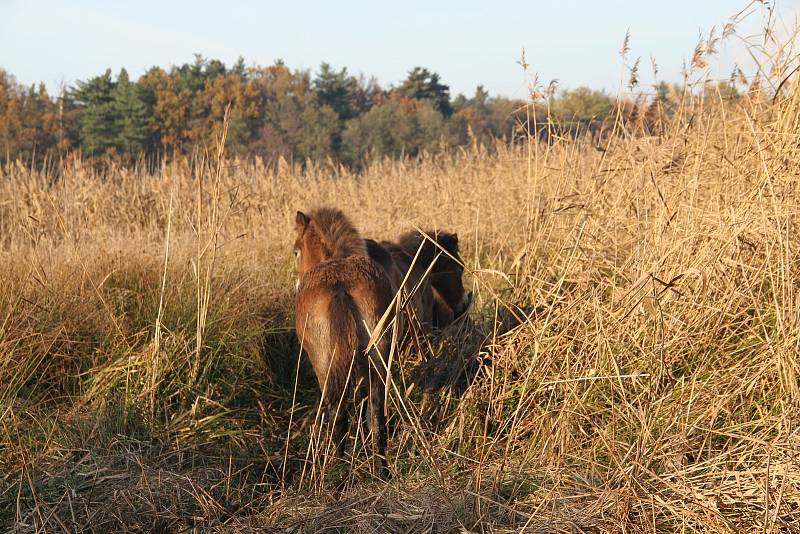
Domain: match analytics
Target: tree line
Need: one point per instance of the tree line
(274, 112)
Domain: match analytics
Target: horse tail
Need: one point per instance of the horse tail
(357, 363)
(343, 324)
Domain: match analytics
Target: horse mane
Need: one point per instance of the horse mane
(337, 233)
(411, 241)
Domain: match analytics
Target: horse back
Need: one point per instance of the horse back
(417, 284)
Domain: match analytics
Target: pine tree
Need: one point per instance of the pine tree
(131, 115)
(337, 90)
(98, 115)
(422, 84)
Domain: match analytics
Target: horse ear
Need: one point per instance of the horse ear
(301, 221)
(455, 239)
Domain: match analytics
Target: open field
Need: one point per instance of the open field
(631, 363)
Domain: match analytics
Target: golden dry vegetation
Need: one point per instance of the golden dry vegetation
(630, 364)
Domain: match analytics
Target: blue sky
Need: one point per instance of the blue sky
(467, 42)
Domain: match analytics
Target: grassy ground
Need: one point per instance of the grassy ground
(631, 362)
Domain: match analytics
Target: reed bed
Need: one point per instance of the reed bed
(630, 364)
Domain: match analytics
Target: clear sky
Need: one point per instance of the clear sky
(467, 42)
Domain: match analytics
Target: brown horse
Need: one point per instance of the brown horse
(438, 250)
(341, 298)
(442, 297)
(416, 293)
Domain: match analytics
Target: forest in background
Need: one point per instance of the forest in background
(277, 112)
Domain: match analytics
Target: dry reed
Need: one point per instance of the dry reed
(631, 363)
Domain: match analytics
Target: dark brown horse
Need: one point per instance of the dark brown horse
(438, 250)
(437, 254)
(416, 293)
(342, 296)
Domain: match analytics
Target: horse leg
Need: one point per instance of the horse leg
(377, 421)
(362, 410)
(337, 415)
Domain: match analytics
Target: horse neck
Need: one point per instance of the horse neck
(426, 254)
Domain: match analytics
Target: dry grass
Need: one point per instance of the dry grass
(631, 363)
